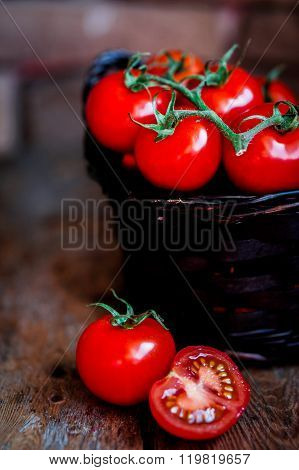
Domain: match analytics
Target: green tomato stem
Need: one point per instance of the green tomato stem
(129, 320)
(166, 123)
(204, 110)
(240, 141)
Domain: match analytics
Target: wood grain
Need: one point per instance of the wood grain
(44, 292)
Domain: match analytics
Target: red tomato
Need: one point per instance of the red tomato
(240, 93)
(271, 162)
(120, 365)
(109, 106)
(203, 395)
(186, 160)
(192, 65)
(276, 90)
(128, 161)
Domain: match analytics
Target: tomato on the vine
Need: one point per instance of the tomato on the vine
(271, 162)
(186, 160)
(236, 95)
(239, 93)
(276, 90)
(202, 396)
(110, 106)
(119, 358)
(191, 64)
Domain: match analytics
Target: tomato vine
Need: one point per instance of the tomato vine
(130, 319)
(211, 76)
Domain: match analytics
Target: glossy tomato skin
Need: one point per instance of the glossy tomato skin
(119, 365)
(216, 367)
(109, 106)
(192, 64)
(276, 90)
(279, 91)
(240, 93)
(184, 161)
(271, 162)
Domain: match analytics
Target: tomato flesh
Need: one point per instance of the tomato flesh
(120, 365)
(109, 106)
(203, 395)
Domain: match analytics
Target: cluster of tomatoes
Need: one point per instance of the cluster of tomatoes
(190, 157)
(125, 359)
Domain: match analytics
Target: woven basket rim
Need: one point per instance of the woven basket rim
(242, 205)
(241, 198)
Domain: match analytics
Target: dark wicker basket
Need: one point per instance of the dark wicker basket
(246, 300)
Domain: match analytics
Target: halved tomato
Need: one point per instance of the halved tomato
(203, 395)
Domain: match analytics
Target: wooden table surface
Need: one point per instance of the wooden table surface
(44, 293)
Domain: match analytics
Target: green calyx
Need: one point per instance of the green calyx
(166, 123)
(172, 66)
(288, 121)
(275, 73)
(221, 73)
(282, 122)
(128, 320)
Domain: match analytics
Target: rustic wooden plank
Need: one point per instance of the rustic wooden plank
(56, 412)
(43, 307)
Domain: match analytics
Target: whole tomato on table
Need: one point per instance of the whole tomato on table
(186, 160)
(110, 106)
(202, 396)
(271, 162)
(119, 357)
